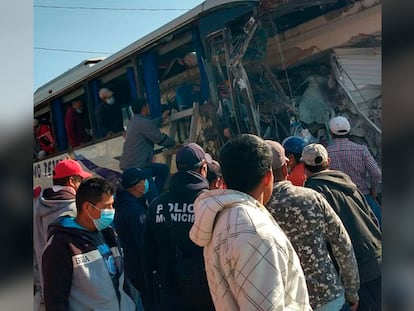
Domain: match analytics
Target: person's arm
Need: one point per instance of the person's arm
(163, 118)
(343, 251)
(153, 133)
(57, 270)
(374, 172)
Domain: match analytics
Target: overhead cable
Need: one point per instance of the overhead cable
(72, 51)
(108, 9)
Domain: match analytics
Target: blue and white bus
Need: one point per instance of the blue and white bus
(273, 68)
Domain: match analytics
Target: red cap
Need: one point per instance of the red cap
(66, 168)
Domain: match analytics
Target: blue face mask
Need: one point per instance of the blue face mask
(106, 218)
(146, 186)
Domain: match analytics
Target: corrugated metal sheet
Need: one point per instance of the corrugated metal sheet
(358, 71)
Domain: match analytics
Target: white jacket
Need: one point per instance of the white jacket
(250, 263)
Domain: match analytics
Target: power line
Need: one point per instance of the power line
(108, 9)
(71, 51)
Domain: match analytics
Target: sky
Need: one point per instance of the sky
(102, 31)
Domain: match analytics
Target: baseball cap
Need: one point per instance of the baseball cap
(191, 156)
(69, 167)
(294, 144)
(339, 125)
(314, 155)
(213, 171)
(131, 177)
(279, 157)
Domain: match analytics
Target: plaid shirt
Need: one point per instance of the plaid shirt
(356, 161)
(250, 263)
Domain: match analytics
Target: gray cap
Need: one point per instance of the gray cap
(279, 157)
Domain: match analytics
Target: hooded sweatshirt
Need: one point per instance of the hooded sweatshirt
(250, 263)
(82, 269)
(356, 215)
(52, 203)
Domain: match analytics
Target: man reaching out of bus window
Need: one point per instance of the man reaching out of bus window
(108, 114)
(138, 150)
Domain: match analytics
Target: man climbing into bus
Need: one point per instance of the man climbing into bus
(138, 150)
(108, 114)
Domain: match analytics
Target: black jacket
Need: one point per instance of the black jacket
(129, 221)
(130, 213)
(108, 119)
(362, 226)
(162, 238)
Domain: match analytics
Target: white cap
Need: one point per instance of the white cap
(339, 125)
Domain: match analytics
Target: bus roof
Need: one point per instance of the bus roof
(91, 66)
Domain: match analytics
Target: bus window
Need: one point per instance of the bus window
(77, 122)
(126, 115)
(43, 134)
(111, 118)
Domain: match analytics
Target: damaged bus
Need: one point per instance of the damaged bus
(274, 68)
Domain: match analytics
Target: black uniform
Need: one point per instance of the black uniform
(167, 225)
(130, 213)
(108, 119)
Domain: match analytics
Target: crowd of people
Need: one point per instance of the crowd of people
(266, 226)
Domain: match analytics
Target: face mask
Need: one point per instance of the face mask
(110, 101)
(106, 218)
(146, 185)
(79, 111)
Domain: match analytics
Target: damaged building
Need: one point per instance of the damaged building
(292, 65)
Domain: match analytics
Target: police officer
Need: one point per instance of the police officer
(168, 252)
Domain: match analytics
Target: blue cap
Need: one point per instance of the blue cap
(190, 157)
(294, 144)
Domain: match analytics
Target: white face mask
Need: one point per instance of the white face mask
(79, 111)
(110, 101)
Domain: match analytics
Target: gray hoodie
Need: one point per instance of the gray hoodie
(52, 203)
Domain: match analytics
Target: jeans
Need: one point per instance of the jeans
(160, 172)
(376, 209)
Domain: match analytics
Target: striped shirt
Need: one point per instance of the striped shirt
(356, 161)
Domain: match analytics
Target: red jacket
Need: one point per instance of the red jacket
(45, 138)
(75, 129)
